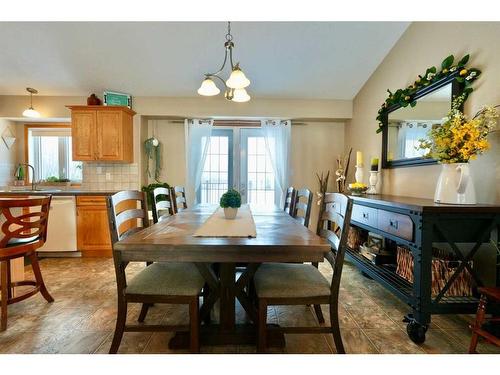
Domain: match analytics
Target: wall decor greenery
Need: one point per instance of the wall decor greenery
(152, 147)
(405, 97)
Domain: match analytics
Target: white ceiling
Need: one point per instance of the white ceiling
(328, 60)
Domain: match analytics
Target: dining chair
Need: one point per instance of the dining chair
(491, 294)
(289, 200)
(302, 206)
(170, 283)
(162, 205)
(179, 198)
(23, 232)
(299, 284)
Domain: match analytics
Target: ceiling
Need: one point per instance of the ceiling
(314, 60)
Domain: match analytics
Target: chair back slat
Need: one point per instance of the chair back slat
(130, 199)
(179, 198)
(302, 206)
(30, 223)
(162, 204)
(335, 219)
(289, 199)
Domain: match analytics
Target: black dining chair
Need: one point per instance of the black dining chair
(179, 198)
(289, 200)
(162, 205)
(302, 206)
(298, 284)
(170, 283)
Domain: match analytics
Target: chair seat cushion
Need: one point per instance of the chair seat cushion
(282, 280)
(167, 279)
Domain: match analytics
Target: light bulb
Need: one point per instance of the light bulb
(208, 88)
(240, 96)
(30, 112)
(237, 79)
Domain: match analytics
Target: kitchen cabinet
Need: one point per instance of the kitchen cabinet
(102, 133)
(92, 232)
(93, 239)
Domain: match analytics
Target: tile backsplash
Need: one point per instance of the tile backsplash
(110, 177)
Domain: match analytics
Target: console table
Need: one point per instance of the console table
(417, 224)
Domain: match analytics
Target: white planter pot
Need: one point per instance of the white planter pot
(455, 185)
(230, 212)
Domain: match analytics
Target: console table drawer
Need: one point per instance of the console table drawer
(364, 215)
(396, 224)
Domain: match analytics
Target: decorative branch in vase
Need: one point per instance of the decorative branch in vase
(342, 172)
(323, 188)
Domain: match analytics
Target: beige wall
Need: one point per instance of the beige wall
(421, 46)
(8, 157)
(315, 146)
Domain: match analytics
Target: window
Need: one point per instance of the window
(237, 158)
(49, 152)
(217, 175)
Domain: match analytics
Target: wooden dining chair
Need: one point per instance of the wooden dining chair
(24, 231)
(302, 206)
(299, 284)
(171, 283)
(179, 198)
(289, 200)
(491, 294)
(162, 205)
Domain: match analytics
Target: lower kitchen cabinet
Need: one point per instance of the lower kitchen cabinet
(93, 239)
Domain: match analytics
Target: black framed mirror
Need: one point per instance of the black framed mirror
(403, 127)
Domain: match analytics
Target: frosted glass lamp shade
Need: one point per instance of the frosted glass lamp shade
(240, 96)
(30, 112)
(208, 88)
(237, 79)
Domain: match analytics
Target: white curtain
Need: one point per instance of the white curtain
(198, 142)
(278, 135)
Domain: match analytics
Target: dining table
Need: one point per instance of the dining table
(279, 238)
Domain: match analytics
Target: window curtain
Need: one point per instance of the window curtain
(198, 134)
(278, 135)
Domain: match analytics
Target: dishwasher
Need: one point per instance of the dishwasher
(61, 231)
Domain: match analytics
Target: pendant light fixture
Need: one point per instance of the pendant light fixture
(235, 84)
(31, 112)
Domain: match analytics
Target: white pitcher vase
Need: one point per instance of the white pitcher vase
(455, 185)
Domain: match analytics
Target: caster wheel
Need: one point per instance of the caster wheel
(416, 332)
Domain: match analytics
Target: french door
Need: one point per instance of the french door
(237, 158)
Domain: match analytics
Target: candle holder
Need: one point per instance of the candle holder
(373, 182)
(358, 175)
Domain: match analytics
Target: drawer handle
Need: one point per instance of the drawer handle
(393, 223)
(365, 215)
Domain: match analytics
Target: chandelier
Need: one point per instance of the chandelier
(235, 84)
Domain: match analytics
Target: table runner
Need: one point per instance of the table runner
(217, 225)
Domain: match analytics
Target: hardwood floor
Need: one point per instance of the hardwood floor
(82, 318)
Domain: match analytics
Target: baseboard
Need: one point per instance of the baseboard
(59, 254)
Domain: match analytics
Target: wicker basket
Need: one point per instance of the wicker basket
(356, 237)
(443, 267)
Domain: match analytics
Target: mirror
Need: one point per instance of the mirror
(405, 126)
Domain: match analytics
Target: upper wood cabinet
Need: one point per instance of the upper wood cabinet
(102, 133)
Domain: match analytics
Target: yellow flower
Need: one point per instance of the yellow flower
(445, 70)
(407, 98)
(463, 72)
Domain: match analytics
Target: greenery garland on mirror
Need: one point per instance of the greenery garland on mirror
(405, 97)
(152, 146)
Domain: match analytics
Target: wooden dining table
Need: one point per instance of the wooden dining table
(279, 238)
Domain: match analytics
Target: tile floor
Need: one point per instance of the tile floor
(82, 318)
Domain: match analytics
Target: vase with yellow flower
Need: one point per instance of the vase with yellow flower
(454, 143)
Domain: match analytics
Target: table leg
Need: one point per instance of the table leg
(227, 296)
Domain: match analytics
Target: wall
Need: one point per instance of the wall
(425, 44)
(315, 146)
(8, 157)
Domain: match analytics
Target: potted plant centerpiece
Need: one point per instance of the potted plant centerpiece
(230, 202)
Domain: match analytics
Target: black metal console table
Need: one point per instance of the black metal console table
(417, 224)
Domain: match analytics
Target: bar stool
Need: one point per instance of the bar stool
(487, 294)
(23, 233)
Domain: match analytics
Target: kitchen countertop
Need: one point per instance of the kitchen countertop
(55, 192)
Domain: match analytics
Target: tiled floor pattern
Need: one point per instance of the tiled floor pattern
(82, 318)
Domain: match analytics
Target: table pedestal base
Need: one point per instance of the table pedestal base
(243, 334)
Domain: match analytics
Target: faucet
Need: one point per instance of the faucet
(33, 183)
